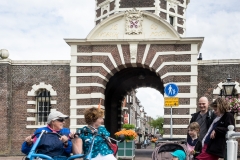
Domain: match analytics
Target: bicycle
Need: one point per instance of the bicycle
(32, 155)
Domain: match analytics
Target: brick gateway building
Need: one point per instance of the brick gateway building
(126, 50)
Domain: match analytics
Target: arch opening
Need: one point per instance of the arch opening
(119, 85)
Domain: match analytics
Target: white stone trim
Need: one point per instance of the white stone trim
(238, 118)
(145, 53)
(53, 101)
(178, 74)
(31, 119)
(76, 126)
(31, 110)
(170, 53)
(73, 59)
(177, 116)
(73, 49)
(35, 126)
(77, 116)
(109, 55)
(182, 106)
(87, 96)
(87, 85)
(93, 65)
(88, 75)
(31, 102)
(85, 106)
(219, 62)
(185, 95)
(184, 84)
(175, 126)
(173, 64)
(119, 46)
(38, 62)
(133, 47)
(174, 136)
(40, 86)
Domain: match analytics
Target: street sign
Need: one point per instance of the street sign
(171, 102)
(171, 90)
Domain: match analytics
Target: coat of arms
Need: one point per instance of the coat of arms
(134, 20)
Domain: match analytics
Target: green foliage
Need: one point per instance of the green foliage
(128, 126)
(158, 124)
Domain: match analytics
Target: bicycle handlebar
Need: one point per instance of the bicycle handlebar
(45, 132)
(101, 135)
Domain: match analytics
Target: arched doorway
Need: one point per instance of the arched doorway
(110, 62)
(121, 83)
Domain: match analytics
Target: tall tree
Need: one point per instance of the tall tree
(158, 124)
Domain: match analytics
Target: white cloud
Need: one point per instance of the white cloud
(218, 23)
(36, 29)
(152, 101)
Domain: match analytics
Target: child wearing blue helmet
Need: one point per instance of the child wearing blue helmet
(178, 155)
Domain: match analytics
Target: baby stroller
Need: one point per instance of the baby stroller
(165, 147)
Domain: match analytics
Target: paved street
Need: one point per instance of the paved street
(141, 154)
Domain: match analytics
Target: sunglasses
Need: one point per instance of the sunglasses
(60, 120)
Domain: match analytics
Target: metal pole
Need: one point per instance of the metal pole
(171, 124)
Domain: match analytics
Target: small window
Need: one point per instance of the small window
(43, 100)
(171, 20)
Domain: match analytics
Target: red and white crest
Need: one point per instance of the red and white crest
(134, 20)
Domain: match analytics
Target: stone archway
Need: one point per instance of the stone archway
(121, 83)
(110, 54)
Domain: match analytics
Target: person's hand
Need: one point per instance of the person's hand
(73, 135)
(29, 140)
(213, 134)
(64, 139)
(192, 152)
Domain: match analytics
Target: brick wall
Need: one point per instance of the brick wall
(163, 4)
(181, 1)
(100, 1)
(180, 10)
(136, 3)
(23, 78)
(163, 15)
(172, 10)
(180, 30)
(5, 107)
(180, 21)
(210, 75)
(112, 5)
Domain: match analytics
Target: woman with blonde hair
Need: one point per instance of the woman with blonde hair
(100, 151)
(214, 142)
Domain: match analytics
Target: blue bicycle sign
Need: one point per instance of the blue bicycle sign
(171, 90)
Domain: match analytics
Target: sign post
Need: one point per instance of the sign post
(171, 90)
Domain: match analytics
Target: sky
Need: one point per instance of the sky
(35, 30)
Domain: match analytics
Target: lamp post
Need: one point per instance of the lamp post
(228, 88)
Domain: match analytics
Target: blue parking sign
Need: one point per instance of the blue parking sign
(171, 90)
